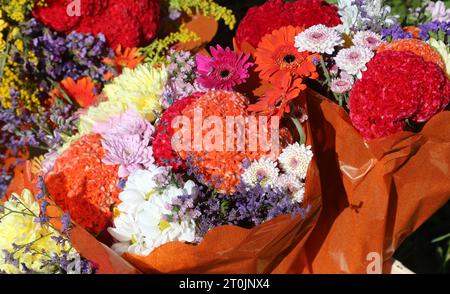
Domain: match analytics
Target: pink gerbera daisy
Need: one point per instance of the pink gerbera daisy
(224, 70)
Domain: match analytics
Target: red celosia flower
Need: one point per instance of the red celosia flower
(396, 87)
(81, 184)
(128, 58)
(274, 14)
(123, 22)
(163, 152)
(82, 91)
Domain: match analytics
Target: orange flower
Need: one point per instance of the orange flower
(278, 59)
(415, 31)
(82, 91)
(130, 58)
(417, 47)
(276, 100)
(221, 168)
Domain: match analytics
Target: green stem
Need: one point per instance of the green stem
(325, 71)
(300, 129)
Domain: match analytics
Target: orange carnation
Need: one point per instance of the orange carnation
(220, 168)
(417, 47)
(83, 185)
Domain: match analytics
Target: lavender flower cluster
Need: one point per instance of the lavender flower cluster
(395, 32)
(182, 76)
(439, 30)
(245, 208)
(75, 55)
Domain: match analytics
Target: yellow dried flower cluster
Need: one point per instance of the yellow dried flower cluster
(207, 8)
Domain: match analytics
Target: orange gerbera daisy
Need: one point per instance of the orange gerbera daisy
(82, 91)
(276, 100)
(278, 59)
(417, 47)
(129, 58)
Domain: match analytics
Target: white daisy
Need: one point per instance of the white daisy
(367, 39)
(293, 185)
(263, 171)
(354, 60)
(295, 159)
(318, 39)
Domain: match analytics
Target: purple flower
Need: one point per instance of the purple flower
(129, 152)
(395, 32)
(439, 30)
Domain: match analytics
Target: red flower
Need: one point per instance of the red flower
(81, 184)
(396, 87)
(162, 144)
(128, 23)
(274, 14)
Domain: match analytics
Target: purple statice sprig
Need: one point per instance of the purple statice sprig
(395, 32)
(245, 208)
(439, 30)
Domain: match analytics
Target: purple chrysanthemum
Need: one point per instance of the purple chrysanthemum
(224, 70)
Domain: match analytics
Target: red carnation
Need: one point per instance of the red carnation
(128, 23)
(162, 144)
(396, 87)
(274, 14)
(83, 185)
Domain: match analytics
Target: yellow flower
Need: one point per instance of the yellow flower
(18, 226)
(140, 88)
(444, 51)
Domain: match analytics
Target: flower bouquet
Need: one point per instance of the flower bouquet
(296, 150)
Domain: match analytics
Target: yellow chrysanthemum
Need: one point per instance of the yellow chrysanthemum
(444, 51)
(18, 227)
(3, 25)
(140, 88)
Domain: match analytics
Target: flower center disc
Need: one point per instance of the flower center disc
(289, 58)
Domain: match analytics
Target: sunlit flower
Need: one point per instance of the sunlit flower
(295, 160)
(367, 39)
(293, 185)
(224, 70)
(140, 88)
(354, 60)
(263, 171)
(319, 39)
(278, 59)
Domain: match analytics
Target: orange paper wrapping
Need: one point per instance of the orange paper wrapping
(373, 195)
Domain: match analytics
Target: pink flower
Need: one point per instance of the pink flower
(343, 84)
(128, 123)
(131, 153)
(224, 70)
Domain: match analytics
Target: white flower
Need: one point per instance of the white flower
(293, 185)
(354, 60)
(140, 186)
(438, 11)
(318, 39)
(367, 39)
(143, 223)
(444, 51)
(295, 159)
(349, 15)
(343, 84)
(263, 171)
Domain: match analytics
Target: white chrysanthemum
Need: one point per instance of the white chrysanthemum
(318, 39)
(367, 39)
(141, 88)
(354, 60)
(142, 224)
(295, 159)
(444, 51)
(342, 84)
(263, 171)
(293, 185)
